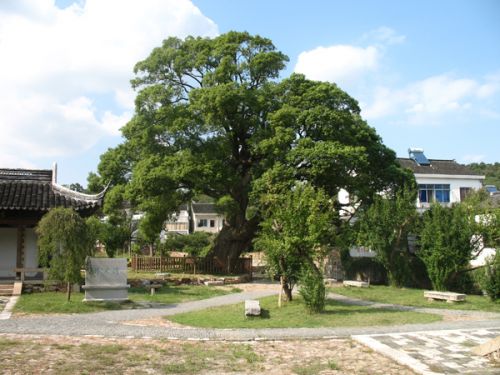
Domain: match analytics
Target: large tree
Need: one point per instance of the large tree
(212, 117)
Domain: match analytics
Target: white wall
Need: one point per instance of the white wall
(455, 183)
(219, 221)
(8, 251)
(30, 250)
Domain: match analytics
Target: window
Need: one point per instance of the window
(212, 223)
(464, 192)
(202, 223)
(428, 193)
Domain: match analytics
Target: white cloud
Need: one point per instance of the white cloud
(56, 62)
(338, 63)
(348, 64)
(426, 101)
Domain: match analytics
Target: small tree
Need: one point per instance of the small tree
(64, 242)
(294, 235)
(384, 228)
(446, 243)
(450, 237)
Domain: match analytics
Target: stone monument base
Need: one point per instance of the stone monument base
(102, 293)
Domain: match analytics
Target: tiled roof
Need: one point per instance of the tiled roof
(204, 208)
(448, 167)
(22, 189)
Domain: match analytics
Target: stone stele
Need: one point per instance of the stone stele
(106, 279)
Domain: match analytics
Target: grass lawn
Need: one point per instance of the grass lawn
(414, 297)
(293, 314)
(55, 302)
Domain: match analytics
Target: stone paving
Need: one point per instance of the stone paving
(429, 349)
(436, 352)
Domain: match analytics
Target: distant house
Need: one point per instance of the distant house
(194, 217)
(206, 218)
(179, 222)
(25, 196)
(443, 181)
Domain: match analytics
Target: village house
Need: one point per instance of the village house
(195, 217)
(25, 196)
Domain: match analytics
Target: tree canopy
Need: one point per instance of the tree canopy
(213, 118)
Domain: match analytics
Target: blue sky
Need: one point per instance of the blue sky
(426, 73)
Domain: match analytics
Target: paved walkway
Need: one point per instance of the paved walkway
(423, 346)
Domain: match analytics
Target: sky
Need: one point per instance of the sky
(426, 73)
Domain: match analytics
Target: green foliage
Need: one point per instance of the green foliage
(64, 242)
(491, 280)
(296, 232)
(195, 244)
(445, 243)
(491, 171)
(312, 290)
(384, 227)
(212, 118)
(450, 237)
(113, 236)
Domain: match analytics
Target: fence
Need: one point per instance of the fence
(191, 265)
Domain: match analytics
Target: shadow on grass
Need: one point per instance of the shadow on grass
(264, 314)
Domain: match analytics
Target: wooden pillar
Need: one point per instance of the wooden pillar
(20, 248)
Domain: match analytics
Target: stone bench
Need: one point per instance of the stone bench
(357, 284)
(153, 288)
(449, 297)
(252, 307)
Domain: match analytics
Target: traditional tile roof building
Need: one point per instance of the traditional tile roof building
(25, 196)
(444, 181)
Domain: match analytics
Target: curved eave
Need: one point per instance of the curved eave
(80, 196)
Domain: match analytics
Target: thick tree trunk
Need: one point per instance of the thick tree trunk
(231, 242)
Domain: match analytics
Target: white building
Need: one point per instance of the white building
(206, 218)
(195, 217)
(443, 181)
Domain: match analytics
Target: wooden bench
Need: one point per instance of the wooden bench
(449, 297)
(357, 284)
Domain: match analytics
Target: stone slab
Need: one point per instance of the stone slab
(445, 296)
(252, 307)
(488, 347)
(106, 279)
(358, 284)
(214, 282)
(18, 288)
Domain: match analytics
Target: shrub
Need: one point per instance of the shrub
(491, 280)
(312, 290)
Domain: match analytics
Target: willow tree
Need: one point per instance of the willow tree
(64, 242)
(212, 117)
